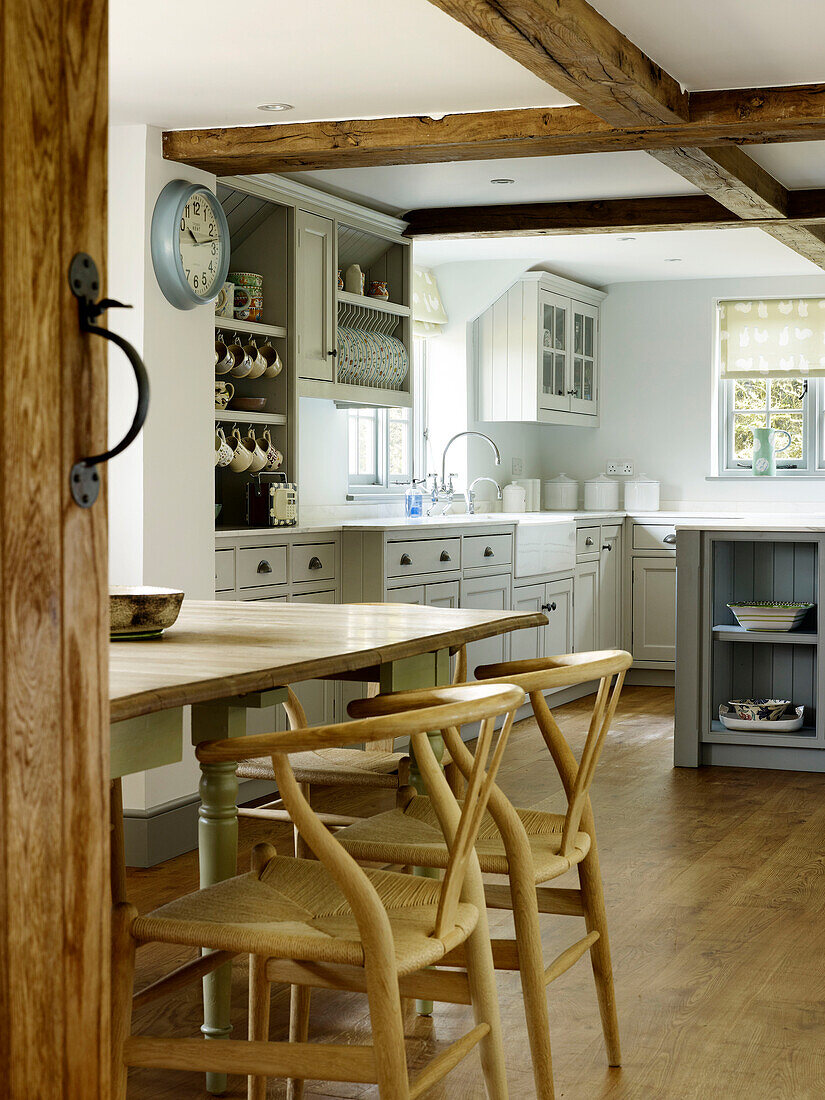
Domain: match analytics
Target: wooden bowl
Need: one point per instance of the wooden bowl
(248, 404)
(142, 611)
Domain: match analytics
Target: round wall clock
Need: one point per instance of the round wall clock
(190, 244)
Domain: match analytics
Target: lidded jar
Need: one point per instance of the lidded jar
(641, 494)
(601, 494)
(561, 494)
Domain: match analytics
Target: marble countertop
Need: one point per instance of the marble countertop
(759, 522)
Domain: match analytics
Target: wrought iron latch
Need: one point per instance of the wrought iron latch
(84, 480)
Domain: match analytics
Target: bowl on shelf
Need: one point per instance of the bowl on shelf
(248, 404)
(142, 611)
(769, 615)
(785, 724)
(759, 710)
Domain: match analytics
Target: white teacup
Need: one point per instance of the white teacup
(223, 452)
(259, 363)
(242, 361)
(274, 458)
(224, 359)
(258, 453)
(241, 455)
(270, 355)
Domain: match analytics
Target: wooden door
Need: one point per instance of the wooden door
(487, 594)
(585, 607)
(314, 296)
(610, 588)
(654, 609)
(54, 713)
(583, 380)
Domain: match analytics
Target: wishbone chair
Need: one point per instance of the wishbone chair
(327, 922)
(530, 846)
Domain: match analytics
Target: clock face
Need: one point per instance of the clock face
(201, 245)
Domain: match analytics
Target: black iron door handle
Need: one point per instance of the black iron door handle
(84, 281)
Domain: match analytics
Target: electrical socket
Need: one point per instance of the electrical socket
(621, 469)
(518, 467)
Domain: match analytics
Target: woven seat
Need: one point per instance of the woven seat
(294, 909)
(338, 767)
(401, 834)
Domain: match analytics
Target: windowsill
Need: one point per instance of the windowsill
(364, 495)
(789, 475)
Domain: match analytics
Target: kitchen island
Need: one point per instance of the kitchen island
(748, 560)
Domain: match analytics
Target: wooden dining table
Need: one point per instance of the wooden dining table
(224, 658)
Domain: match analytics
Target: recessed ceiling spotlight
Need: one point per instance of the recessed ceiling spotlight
(502, 179)
(627, 238)
(276, 107)
(673, 259)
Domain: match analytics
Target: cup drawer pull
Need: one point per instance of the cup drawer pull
(588, 541)
(669, 539)
(315, 563)
(445, 556)
(489, 552)
(405, 560)
(264, 566)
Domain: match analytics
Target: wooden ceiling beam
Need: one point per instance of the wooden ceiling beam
(603, 216)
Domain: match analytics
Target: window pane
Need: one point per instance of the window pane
(750, 394)
(398, 443)
(742, 436)
(786, 394)
(366, 444)
(790, 422)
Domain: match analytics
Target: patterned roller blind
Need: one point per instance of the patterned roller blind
(773, 338)
(429, 317)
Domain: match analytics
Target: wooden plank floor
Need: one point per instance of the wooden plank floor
(715, 892)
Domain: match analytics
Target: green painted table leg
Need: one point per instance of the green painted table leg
(425, 670)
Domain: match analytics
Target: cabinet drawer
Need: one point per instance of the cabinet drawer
(423, 556)
(224, 570)
(654, 536)
(261, 565)
(480, 550)
(313, 562)
(587, 542)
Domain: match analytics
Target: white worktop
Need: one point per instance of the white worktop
(754, 523)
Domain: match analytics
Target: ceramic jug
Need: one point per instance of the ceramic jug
(764, 451)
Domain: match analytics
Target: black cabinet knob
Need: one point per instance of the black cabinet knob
(607, 546)
(549, 606)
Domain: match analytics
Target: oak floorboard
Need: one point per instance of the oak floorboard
(715, 885)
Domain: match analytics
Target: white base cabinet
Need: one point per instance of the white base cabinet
(555, 599)
(610, 588)
(654, 609)
(585, 607)
(487, 594)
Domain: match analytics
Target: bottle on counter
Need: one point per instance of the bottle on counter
(414, 500)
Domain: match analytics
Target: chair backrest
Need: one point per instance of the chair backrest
(537, 676)
(445, 707)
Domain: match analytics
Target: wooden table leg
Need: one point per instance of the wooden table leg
(218, 841)
(425, 670)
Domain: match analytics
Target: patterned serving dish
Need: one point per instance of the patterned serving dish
(759, 710)
(779, 725)
(769, 615)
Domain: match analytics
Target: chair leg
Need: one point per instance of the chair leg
(595, 916)
(387, 1026)
(302, 849)
(123, 976)
(299, 997)
(259, 999)
(482, 978)
(534, 990)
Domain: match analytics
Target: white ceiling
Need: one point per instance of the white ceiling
(606, 258)
(537, 179)
(796, 164)
(192, 63)
(726, 43)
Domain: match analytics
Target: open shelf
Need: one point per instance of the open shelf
(379, 304)
(356, 395)
(277, 332)
(240, 417)
(772, 637)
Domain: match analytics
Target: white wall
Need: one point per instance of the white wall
(161, 518)
(658, 395)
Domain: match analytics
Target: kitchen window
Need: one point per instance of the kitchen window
(383, 450)
(771, 356)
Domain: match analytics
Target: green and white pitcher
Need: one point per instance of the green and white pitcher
(764, 451)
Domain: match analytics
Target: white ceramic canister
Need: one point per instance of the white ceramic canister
(561, 494)
(601, 494)
(514, 498)
(532, 489)
(641, 494)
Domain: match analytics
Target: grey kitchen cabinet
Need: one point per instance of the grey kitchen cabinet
(610, 588)
(317, 697)
(654, 608)
(437, 594)
(487, 594)
(585, 606)
(555, 599)
(314, 284)
(528, 645)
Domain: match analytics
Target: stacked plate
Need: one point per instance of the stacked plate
(371, 359)
(769, 615)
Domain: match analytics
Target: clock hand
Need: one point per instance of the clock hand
(202, 240)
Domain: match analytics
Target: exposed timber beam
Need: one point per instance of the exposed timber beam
(739, 117)
(595, 56)
(603, 216)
